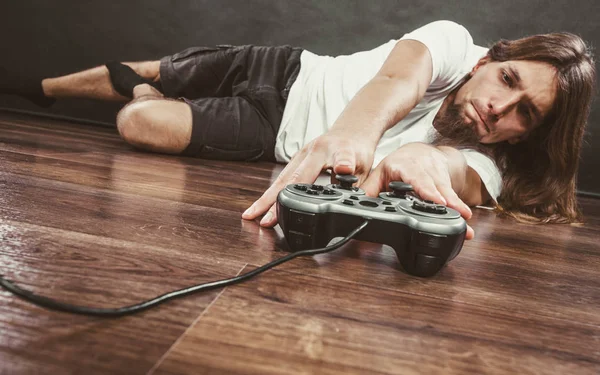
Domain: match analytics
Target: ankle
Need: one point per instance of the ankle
(47, 87)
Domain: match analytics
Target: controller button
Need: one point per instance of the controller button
(428, 202)
(312, 192)
(354, 197)
(390, 209)
(301, 221)
(329, 192)
(348, 202)
(399, 188)
(346, 181)
(439, 209)
(387, 203)
(419, 206)
(300, 240)
(317, 187)
(430, 241)
(368, 204)
(300, 187)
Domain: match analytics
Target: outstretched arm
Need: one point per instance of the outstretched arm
(349, 146)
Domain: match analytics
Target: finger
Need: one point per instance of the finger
(267, 199)
(374, 183)
(470, 233)
(425, 188)
(270, 218)
(454, 201)
(441, 176)
(306, 172)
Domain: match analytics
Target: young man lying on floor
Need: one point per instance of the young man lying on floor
(463, 124)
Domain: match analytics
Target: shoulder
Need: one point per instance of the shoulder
(444, 29)
(450, 46)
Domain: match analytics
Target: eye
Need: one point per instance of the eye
(507, 78)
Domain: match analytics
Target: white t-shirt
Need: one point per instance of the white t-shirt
(325, 85)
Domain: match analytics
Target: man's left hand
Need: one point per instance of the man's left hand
(424, 167)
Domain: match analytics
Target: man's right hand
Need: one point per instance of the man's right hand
(342, 153)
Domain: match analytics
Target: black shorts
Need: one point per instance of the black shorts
(237, 96)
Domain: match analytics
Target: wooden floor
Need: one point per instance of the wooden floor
(87, 220)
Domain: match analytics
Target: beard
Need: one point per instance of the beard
(452, 130)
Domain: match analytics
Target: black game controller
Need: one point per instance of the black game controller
(424, 235)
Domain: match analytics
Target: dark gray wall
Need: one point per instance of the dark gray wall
(51, 38)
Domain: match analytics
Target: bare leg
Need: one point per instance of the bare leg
(153, 123)
(95, 83)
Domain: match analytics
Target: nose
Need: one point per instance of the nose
(501, 106)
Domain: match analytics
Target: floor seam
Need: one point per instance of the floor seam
(193, 324)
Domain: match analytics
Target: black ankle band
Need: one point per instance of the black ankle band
(124, 79)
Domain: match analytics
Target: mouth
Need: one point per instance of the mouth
(487, 128)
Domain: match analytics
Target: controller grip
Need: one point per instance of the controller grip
(428, 253)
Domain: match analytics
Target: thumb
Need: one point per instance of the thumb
(344, 162)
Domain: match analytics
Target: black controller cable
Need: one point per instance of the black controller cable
(121, 311)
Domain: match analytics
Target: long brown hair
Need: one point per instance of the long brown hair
(539, 173)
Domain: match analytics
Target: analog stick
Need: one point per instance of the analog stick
(346, 180)
(400, 188)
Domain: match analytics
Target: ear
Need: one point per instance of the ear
(482, 61)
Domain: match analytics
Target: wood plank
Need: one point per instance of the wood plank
(95, 271)
(294, 323)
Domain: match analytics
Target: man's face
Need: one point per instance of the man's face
(505, 101)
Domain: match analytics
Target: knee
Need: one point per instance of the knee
(134, 121)
(156, 125)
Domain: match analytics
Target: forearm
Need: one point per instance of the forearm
(378, 106)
